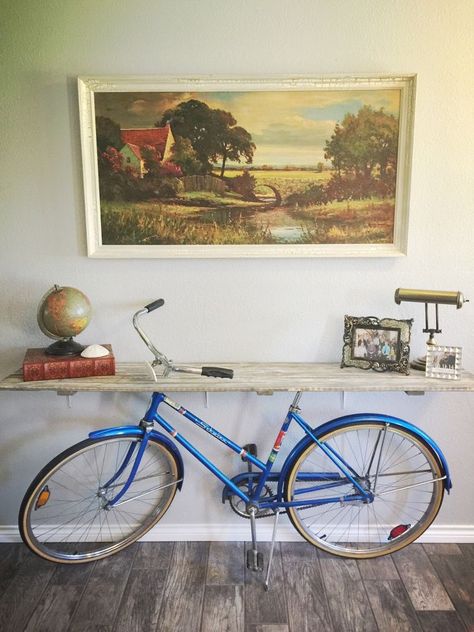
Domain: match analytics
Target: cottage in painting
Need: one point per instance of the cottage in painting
(160, 138)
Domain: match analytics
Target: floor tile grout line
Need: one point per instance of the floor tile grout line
(82, 595)
(364, 586)
(125, 584)
(16, 566)
(285, 588)
(460, 615)
(162, 604)
(39, 596)
(203, 601)
(442, 584)
(407, 593)
(409, 601)
(441, 581)
(331, 618)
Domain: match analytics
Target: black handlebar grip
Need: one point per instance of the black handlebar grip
(215, 371)
(151, 306)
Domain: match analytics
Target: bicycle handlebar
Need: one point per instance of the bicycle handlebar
(160, 358)
(151, 306)
(216, 371)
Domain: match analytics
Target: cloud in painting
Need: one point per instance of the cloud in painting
(137, 109)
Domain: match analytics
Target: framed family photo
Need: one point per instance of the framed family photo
(443, 362)
(382, 345)
(246, 167)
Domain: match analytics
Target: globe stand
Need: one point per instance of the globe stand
(64, 347)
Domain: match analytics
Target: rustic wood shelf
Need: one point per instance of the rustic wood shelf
(262, 378)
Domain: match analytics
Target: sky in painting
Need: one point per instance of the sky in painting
(288, 127)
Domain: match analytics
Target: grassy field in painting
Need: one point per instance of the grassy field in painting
(286, 181)
(208, 218)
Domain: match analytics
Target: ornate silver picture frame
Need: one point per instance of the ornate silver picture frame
(378, 344)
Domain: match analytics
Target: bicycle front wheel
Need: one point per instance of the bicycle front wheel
(64, 516)
(397, 467)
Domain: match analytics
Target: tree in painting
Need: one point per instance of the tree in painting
(363, 150)
(213, 134)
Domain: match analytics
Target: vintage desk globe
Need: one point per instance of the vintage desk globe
(64, 312)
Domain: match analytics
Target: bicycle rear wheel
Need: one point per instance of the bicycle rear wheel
(396, 466)
(64, 517)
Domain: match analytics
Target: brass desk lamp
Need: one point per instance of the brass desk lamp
(429, 296)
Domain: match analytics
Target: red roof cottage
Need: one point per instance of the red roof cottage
(161, 138)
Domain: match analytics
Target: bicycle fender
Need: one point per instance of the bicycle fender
(334, 424)
(137, 431)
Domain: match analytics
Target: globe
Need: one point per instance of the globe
(64, 312)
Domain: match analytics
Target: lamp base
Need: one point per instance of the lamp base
(419, 364)
(66, 347)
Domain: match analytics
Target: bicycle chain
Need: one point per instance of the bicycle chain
(263, 513)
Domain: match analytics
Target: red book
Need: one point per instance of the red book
(37, 365)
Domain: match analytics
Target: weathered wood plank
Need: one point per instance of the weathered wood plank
(11, 558)
(24, 591)
(269, 628)
(154, 555)
(141, 601)
(226, 563)
(101, 598)
(423, 585)
(457, 574)
(441, 621)
(223, 609)
(56, 606)
(261, 606)
(184, 588)
(444, 548)
(258, 377)
(391, 606)
(467, 550)
(378, 568)
(348, 602)
(308, 608)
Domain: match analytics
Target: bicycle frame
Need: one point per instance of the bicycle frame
(330, 479)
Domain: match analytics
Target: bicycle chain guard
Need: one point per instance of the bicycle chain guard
(238, 505)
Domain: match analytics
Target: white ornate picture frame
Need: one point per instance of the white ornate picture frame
(275, 172)
(443, 362)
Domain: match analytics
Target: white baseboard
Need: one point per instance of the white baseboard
(240, 532)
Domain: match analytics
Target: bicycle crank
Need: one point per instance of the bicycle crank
(239, 506)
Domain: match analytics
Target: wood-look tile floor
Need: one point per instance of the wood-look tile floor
(205, 587)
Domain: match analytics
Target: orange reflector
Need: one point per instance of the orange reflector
(43, 497)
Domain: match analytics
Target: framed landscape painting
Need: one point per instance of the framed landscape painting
(247, 167)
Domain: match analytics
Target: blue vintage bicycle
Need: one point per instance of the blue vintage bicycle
(358, 486)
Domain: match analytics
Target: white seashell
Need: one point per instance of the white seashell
(94, 351)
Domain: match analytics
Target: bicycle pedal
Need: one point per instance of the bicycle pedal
(251, 448)
(254, 561)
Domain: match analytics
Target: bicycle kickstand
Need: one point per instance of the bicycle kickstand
(270, 558)
(254, 558)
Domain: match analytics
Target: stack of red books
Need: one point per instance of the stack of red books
(37, 365)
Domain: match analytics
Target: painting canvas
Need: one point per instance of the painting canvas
(215, 167)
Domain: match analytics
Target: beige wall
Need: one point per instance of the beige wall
(228, 309)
